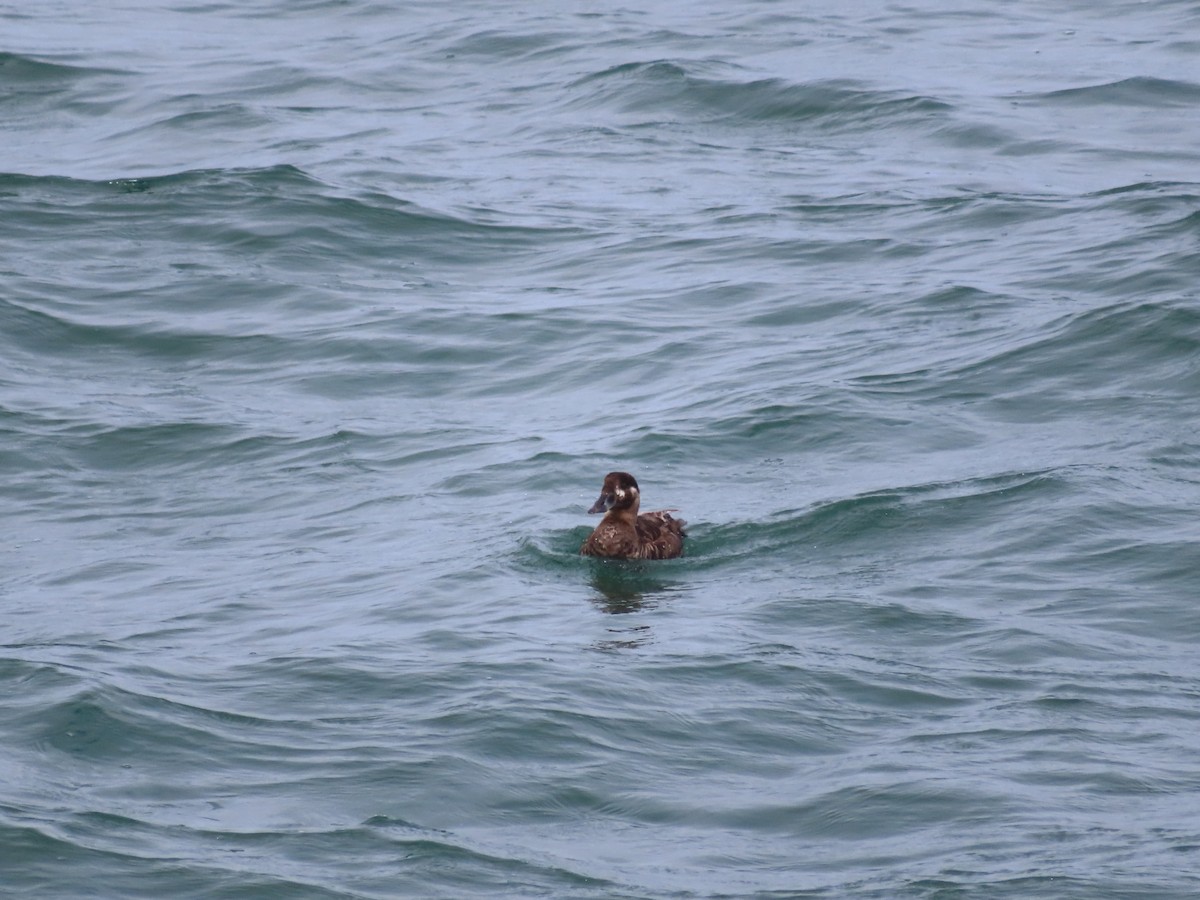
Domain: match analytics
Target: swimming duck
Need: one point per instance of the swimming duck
(622, 533)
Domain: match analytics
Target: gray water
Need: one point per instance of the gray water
(321, 323)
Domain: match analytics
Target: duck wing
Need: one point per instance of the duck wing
(660, 535)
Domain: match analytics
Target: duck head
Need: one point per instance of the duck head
(620, 491)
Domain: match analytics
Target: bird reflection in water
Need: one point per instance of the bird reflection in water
(624, 587)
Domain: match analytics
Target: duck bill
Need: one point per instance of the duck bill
(603, 504)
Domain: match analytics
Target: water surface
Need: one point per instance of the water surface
(321, 323)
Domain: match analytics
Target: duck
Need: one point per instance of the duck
(622, 533)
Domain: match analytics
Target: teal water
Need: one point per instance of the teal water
(321, 323)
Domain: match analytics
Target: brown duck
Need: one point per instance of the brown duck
(622, 533)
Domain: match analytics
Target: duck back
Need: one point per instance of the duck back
(654, 535)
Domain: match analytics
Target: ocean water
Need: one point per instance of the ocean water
(321, 323)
